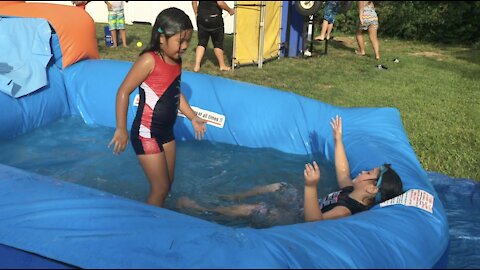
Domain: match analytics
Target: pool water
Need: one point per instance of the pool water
(70, 150)
(461, 199)
(75, 152)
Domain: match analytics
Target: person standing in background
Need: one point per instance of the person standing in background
(368, 21)
(116, 21)
(329, 14)
(210, 24)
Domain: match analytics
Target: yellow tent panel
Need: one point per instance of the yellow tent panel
(248, 29)
(273, 21)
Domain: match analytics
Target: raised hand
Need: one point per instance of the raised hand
(311, 174)
(336, 124)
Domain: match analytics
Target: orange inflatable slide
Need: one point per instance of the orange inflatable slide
(74, 27)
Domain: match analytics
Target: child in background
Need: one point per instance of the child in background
(329, 14)
(368, 21)
(158, 72)
(116, 21)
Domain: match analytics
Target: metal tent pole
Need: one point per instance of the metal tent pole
(262, 34)
(235, 7)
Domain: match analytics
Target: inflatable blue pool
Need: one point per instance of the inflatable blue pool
(61, 223)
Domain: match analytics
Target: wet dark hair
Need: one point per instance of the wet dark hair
(391, 185)
(169, 22)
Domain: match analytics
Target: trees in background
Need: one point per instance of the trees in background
(435, 21)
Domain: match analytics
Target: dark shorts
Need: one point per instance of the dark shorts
(154, 145)
(210, 27)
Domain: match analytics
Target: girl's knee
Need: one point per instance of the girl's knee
(160, 189)
(157, 197)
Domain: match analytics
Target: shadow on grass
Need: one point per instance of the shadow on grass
(470, 55)
(321, 48)
(467, 70)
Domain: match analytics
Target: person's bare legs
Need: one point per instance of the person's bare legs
(372, 33)
(170, 150)
(329, 30)
(253, 192)
(241, 210)
(199, 52)
(321, 37)
(361, 45)
(159, 169)
(221, 62)
(114, 37)
(123, 36)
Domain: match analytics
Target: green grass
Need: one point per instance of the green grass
(435, 87)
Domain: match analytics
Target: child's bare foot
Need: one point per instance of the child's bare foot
(225, 68)
(274, 187)
(319, 38)
(196, 69)
(360, 53)
(186, 203)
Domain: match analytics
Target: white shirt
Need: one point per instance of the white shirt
(116, 5)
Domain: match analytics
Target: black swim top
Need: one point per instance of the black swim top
(341, 198)
(207, 8)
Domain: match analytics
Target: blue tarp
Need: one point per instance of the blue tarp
(24, 54)
(93, 229)
(47, 104)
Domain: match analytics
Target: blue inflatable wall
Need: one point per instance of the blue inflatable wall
(89, 228)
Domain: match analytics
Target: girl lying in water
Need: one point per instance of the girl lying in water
(354, 195)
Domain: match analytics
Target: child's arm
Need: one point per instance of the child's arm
(195, 7)
(360, 11)
(341, 163)
(198, 123)
(137, 74)
(109, 5)
(311, 208)
(337, 212)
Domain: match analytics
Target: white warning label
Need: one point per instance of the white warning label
(413, 197)
(214, 119)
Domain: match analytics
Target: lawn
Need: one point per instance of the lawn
(435, 87)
